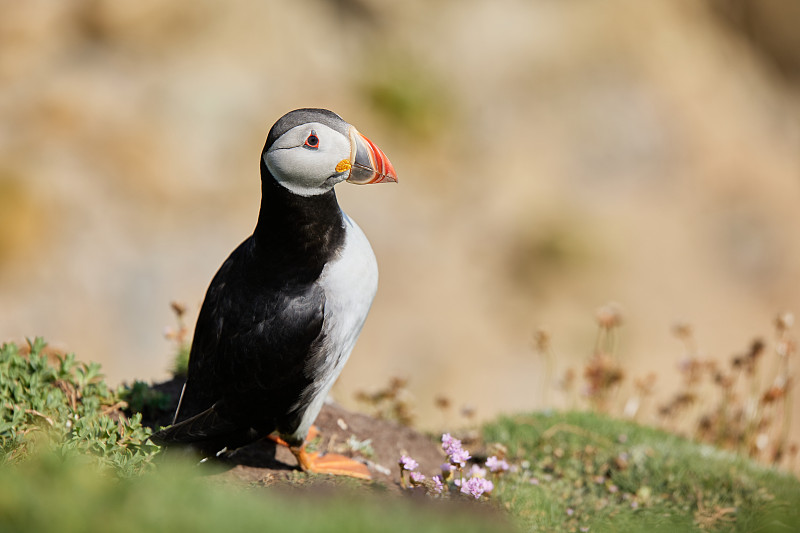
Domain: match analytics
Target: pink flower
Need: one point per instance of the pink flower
(407, 463)
(416, 478)
(477, 471)
(476, 486)
(496, 465)
(438, 484)
(450, 444)
(460, 457)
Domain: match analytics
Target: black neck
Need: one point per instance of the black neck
(299, 233)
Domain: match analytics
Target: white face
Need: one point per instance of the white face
(307, 159)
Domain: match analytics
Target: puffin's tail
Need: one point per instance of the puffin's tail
(207, 431)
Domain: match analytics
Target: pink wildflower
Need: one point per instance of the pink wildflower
(476, 486)
(460, 457)
(477, 471)
(496, 465)
(450, 444)
(416, 478)
(407, 463)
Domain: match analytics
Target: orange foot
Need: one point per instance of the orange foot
(312, 434)
(330, 463)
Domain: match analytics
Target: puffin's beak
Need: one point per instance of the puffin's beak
(368, 162)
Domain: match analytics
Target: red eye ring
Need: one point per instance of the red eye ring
(312, 141)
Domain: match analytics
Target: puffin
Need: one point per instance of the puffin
(283, 313)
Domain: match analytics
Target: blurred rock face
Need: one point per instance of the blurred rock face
(552, 156)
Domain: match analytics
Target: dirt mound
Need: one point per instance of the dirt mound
(379, 443)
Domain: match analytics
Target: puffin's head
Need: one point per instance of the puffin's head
(308, 151)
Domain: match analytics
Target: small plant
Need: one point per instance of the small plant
(142, 398)
(66, 407)
(364, 447)
(729, 404)
(180, 337)
(603, 373)
(389, 403)
(453, 479)
(543, 346)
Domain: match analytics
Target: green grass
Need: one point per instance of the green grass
(70, 460)
(48, 494)
(589, 471)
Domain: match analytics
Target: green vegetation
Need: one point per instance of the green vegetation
(47, 494)
(584, 470)
(145, 400)
(65, 407)
(180, 339)
(71, 460)
(743, 404)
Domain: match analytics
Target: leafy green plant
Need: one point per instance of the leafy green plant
(65, 406)
(144, 399)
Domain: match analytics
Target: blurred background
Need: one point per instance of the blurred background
(553, 156)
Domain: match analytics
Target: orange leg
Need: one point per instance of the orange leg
(330, 463)
(312, 434)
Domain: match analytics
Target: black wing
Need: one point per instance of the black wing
(255, 332)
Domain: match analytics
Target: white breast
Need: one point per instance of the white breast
(350, 281)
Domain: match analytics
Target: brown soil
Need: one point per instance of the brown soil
(266, 463)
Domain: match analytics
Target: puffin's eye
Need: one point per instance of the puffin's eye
(312, 141)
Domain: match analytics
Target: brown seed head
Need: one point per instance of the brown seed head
(609, 315)
(178, 308)
(784, 321)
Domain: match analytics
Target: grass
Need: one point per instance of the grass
(71, 460)
(584, 471)
(743, 404)
(50, 494)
